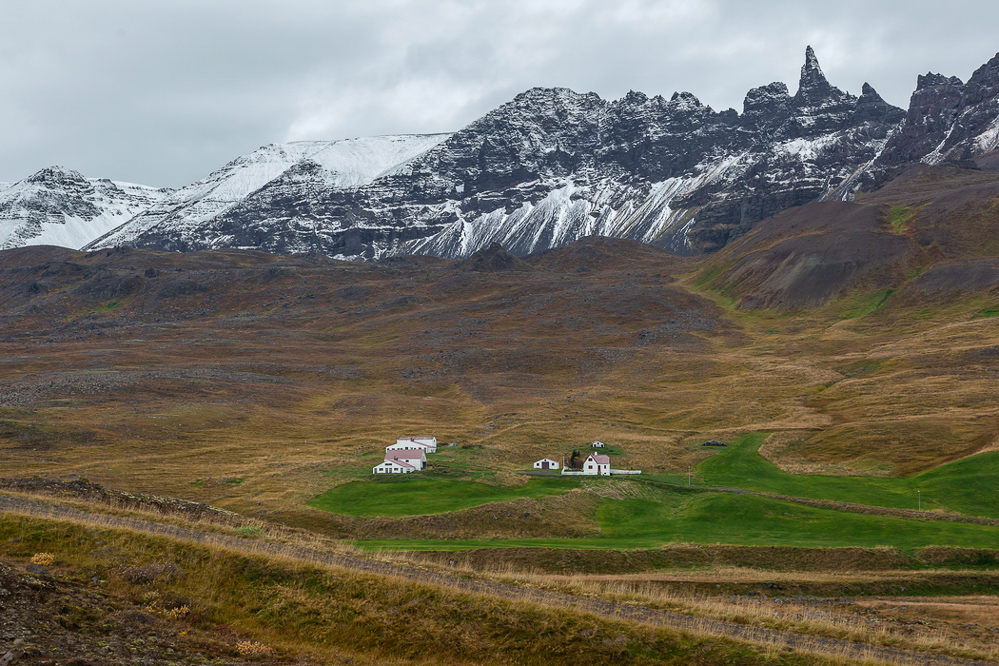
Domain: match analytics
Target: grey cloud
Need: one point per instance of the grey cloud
(164, 92)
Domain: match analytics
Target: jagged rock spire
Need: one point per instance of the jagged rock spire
(812, 86)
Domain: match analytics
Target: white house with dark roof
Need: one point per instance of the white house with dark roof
(547, 463)
(415, 457)
(428, 443)
(391, 466)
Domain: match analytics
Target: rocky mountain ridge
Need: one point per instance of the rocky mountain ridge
(553, 165)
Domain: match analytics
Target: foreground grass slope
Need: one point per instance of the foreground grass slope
(338, 616)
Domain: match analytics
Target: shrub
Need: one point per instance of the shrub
(43, 559)
(253, 649)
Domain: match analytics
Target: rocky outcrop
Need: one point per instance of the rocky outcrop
(948, 119)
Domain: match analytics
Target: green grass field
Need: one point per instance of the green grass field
(737, 519)
(411, 495)
(967, 486)
(662, 513)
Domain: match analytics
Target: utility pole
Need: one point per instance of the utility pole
(689, 471)
(919, 498)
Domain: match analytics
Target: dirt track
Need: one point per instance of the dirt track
(606, 609)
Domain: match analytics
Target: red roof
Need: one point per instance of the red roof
(600, 459)
(405, 454)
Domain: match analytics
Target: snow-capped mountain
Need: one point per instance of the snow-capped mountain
(185, 218)
(553, 165)
(58, 206)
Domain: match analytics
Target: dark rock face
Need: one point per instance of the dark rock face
(553, 165)
(948, 119)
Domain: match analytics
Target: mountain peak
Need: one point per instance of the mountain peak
(813, 83)
(57, 174)
(811, 61)
(684, 101)
(872, 107)
(930, 80)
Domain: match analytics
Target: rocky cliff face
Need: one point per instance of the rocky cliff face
(553, 165)
(948, 119)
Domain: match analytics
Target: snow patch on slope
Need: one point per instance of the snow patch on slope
(572, 209)
(357, 162)
(988, 140)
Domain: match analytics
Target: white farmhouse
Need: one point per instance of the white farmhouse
(596, 465)
(428, 443)
(392, 467)
(415, 457)
(547, 463)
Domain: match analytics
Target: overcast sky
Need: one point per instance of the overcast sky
(164, 92)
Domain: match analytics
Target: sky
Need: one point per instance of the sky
(162, 92)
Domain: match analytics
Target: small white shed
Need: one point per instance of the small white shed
(547, 463)
(597, 444)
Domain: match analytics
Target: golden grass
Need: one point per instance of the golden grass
(291, 603)
(897, 622)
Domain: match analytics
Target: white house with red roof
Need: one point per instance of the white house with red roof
(428, 443)
(391, 466)
(596, 464)
(415, 457)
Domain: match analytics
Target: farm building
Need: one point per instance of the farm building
(428, 443)
(415, 457)
(392, 467)
(547, 463)
(597, 444)
(596, 465)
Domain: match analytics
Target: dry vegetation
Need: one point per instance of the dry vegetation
(195, 594)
